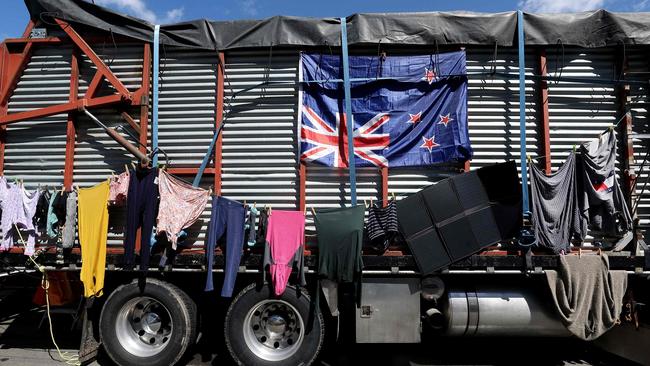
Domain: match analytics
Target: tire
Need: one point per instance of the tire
(263, 330)
(152, 326)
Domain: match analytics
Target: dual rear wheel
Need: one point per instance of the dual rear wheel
(154, 325)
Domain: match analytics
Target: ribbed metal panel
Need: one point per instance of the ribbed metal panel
(259, 138)
(639, 69)
(186, 117)
(35, 149)
(97, 154)
(579, 112)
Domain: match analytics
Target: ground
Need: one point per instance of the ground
(24, 343)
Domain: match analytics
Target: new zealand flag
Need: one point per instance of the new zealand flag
(413, 113)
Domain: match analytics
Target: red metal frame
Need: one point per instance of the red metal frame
(144, 98)
(12, 67)
(384, 186)
(218, 149)
(625, 129)
(70, 129)
(103, 72)
(101, 66)
(542, 106)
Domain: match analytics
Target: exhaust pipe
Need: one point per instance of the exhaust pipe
(143, 158)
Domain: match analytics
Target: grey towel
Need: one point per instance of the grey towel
(603, 201)
(587, 295)
(68, 234)
(556, 217)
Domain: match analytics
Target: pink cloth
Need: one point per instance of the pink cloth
(119, 189)
(181, 204)
(285, 235)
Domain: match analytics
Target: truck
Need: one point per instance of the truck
(86, 92)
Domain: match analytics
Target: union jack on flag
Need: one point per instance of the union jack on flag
(328, 140)
(409, 116)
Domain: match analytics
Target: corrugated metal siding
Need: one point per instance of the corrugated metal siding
(259, 138)
(186, 114)
(35, 149)
(639, 69)
(97, 154)
(579, 112)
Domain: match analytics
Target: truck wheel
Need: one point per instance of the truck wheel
(263, 330)
(147, 327)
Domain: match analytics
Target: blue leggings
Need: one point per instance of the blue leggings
(227, 217)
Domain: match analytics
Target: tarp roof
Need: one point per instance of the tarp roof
(588, 29)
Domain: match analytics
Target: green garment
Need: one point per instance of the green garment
(340, 238)
(52, 220)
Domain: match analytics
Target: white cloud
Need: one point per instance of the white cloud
(249, 7)
(140, 9)
(560, 6)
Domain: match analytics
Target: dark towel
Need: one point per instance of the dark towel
(556, 217)
(587, 295)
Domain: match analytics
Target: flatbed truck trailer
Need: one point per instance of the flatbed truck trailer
(66, 63)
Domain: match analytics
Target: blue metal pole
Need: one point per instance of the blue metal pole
(348, 112)
(154, 118)
(522, 111)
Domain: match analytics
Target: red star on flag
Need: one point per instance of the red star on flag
(444, 120)
(429, 143)
(429, 75)
(415, 118)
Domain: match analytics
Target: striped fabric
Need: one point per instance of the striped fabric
(381, 225)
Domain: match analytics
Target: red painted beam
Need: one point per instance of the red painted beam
(88, 51)
(302, 182)
(384, 186)
(68, 172)
(189, 171)
(127, 117)
(61, 108)
(144, 96)
(543, 116)
(218, 149)
(94, 84)
(46, 40)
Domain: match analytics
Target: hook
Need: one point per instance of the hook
(313, 211)
(393, 193)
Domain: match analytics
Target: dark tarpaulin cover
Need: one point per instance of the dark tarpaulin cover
(590, 29)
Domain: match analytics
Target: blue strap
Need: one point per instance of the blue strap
(154, 118)
(522, 112)
(348, 112)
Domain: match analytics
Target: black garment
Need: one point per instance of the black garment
(60, 206)
(556, 218)
(40, 218)
(261, 227)
(340, 238)
(602, 202)
(141, 208)
(381, 226)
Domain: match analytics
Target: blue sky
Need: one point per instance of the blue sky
(13, 16)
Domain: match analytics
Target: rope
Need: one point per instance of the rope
(67, 358)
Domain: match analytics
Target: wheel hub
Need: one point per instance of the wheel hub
(143, 326)
(273, 330)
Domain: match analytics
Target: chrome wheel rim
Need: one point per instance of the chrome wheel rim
(143, 326)
(273, 330)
